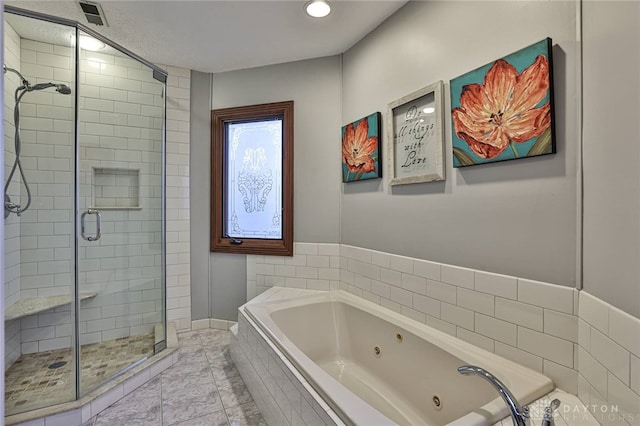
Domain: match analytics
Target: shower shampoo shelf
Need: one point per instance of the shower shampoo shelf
(35, 305)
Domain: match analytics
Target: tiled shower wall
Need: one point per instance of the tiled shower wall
(11, 223)
(121, 109)
(178, 239)
(584, 345)
(46, 228)
(120, 129)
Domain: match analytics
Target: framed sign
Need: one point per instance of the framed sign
(416, 151)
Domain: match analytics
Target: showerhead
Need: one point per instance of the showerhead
(60, 88)
(63, 89)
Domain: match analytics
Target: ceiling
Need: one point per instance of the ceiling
(216, 36)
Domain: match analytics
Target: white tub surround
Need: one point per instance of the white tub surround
(608, 362)
(529, 322)
(359, 356)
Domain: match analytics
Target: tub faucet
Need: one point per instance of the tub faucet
(519, 415)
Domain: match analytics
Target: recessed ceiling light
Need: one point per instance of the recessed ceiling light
(317, 8)
(90, 43)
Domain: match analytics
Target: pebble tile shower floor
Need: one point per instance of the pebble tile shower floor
(31, 384)
(203, 388)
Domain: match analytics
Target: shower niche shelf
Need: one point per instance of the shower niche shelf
(116, 189)
(35, 305)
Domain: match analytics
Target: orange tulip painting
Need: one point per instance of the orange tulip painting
(504, 110)
(361, 149)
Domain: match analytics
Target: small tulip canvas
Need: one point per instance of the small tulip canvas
(361, 149)
(504, 110)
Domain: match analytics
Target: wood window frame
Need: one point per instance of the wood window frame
(220, 242)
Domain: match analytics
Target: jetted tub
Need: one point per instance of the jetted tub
(373, 366)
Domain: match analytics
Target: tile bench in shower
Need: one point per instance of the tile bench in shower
(35, 305)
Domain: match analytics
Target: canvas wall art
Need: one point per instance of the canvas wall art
(361, 149)
(504, 110)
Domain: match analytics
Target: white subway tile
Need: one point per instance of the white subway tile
(625, 330)
(628, 401)
(274, 260)
(427, 305)
(443, 326)
(285, 270)
(594, 311)
(545, 295)
(306, 248)
(318, 261)
(475, 301)
(548, 347)
(329, 249)
(295, 282)
(414, 284)
(561, 325)
(527, 359)
(401, 296)
(396, 307)
(381, 289)
(383, 260)
(347, 277)
(496, 329)
(441, 291)
(475, 339)
(456, 315)
(318, 284)
(519, 313)
(363, 283)
(361, 254)
(613, 356)
(584, 334)
(426, 269)
(461, 277)
(413, 314)
(401, 264)
(305, 272)
(496, 284)
(635, 374)
(329, 274)
(563, 377)
(391, 277)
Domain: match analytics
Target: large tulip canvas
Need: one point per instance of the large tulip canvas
(504, 110)
(361, 149)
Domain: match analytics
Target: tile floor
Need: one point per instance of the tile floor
(203, 388)
(31, 384)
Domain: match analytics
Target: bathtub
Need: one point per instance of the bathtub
(372, 366)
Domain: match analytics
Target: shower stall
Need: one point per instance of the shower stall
(84, 207)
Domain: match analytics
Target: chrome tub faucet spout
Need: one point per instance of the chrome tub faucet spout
(519, 415)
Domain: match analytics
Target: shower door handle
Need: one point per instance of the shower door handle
(98, 225)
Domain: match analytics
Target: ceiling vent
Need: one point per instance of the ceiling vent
(93, 12)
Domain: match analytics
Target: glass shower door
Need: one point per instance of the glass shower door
(120, 212)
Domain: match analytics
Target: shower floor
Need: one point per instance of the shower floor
(31, 384)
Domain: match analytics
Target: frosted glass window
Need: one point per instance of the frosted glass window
(254, 180)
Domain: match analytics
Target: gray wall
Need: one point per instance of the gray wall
(611, 153)
(516, 218)
(200, 163)
(314, 86)
(521, 217)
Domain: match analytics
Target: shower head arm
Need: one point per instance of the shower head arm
(25, 82)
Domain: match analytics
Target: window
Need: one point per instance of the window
(252, 179)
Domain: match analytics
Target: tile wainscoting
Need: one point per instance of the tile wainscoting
(585, 346)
